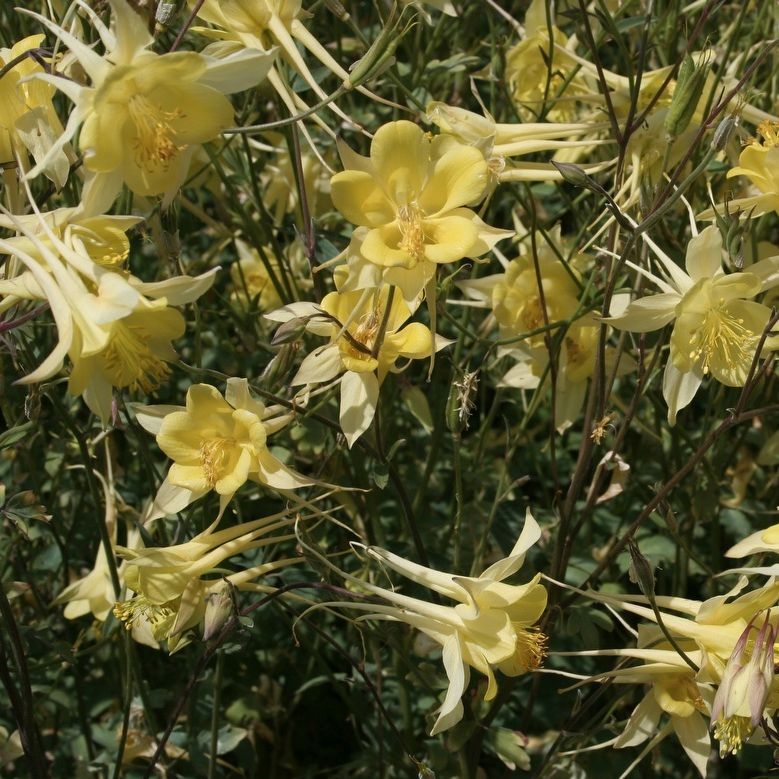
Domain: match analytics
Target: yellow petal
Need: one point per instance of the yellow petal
(401, 155)
(359, 198)
(458, 178)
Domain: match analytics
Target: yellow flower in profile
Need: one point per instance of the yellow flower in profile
(29, 124)
(170, 594)
(492, 627)
(217, 443)
(114, 335)
(715, 636)
(716, 325)
(409, 200)
(144, 114)
(741, 699)
(368, 335)
(759, 162)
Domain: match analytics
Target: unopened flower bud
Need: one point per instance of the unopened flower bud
(219, 608)
(723, 132)
(379, 56)
(687, 95)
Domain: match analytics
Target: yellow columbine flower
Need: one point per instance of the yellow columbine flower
(251, 280)
(747, 680)
(514, 296)
(144, 114)
(114, 335)
(261, 25)
(673, 691)
(29, 123)
(491, 627)
(759, 162)
(409, 200)
(368, 335)
(528, 66)
(716, 326)
(216, 443)
(170, 593)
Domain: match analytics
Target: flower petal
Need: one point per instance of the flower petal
(359, 395)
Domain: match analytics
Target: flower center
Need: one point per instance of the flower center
(732, 732)
(129, 362)
(721, 334)
(139, 609)
(770, 132)
(364, 334)
(213, 458)
(530, 649)
(412, 234)
(154, 145)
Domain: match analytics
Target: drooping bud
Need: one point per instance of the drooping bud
(219, 608)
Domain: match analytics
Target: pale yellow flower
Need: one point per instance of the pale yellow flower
(713, 635)
(409, 200)
(262, 25)
(759, 162)
(368, 334)
(113, 333)
(716, 325)
(217, 443)
(541, 74)
(251, 280)
(740, 702)
(144, 114)
(492, 627)
(170, 595)
(29, 123)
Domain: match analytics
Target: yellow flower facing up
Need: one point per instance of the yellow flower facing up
(492, 627)
(409, 200)
(368, 335)
(716, 325)
(217, 443)
(517, 303)
(144, 114)
(170, 593)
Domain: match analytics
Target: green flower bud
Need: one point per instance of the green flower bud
(689, 88)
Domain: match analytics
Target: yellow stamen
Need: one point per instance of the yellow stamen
(770, 132)
(154, 144)
(732, 732)
(137, 609)
(213, 458)
(530, 649)
(365, 333)
(129, 361)
(722, 334)
(412, 232)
